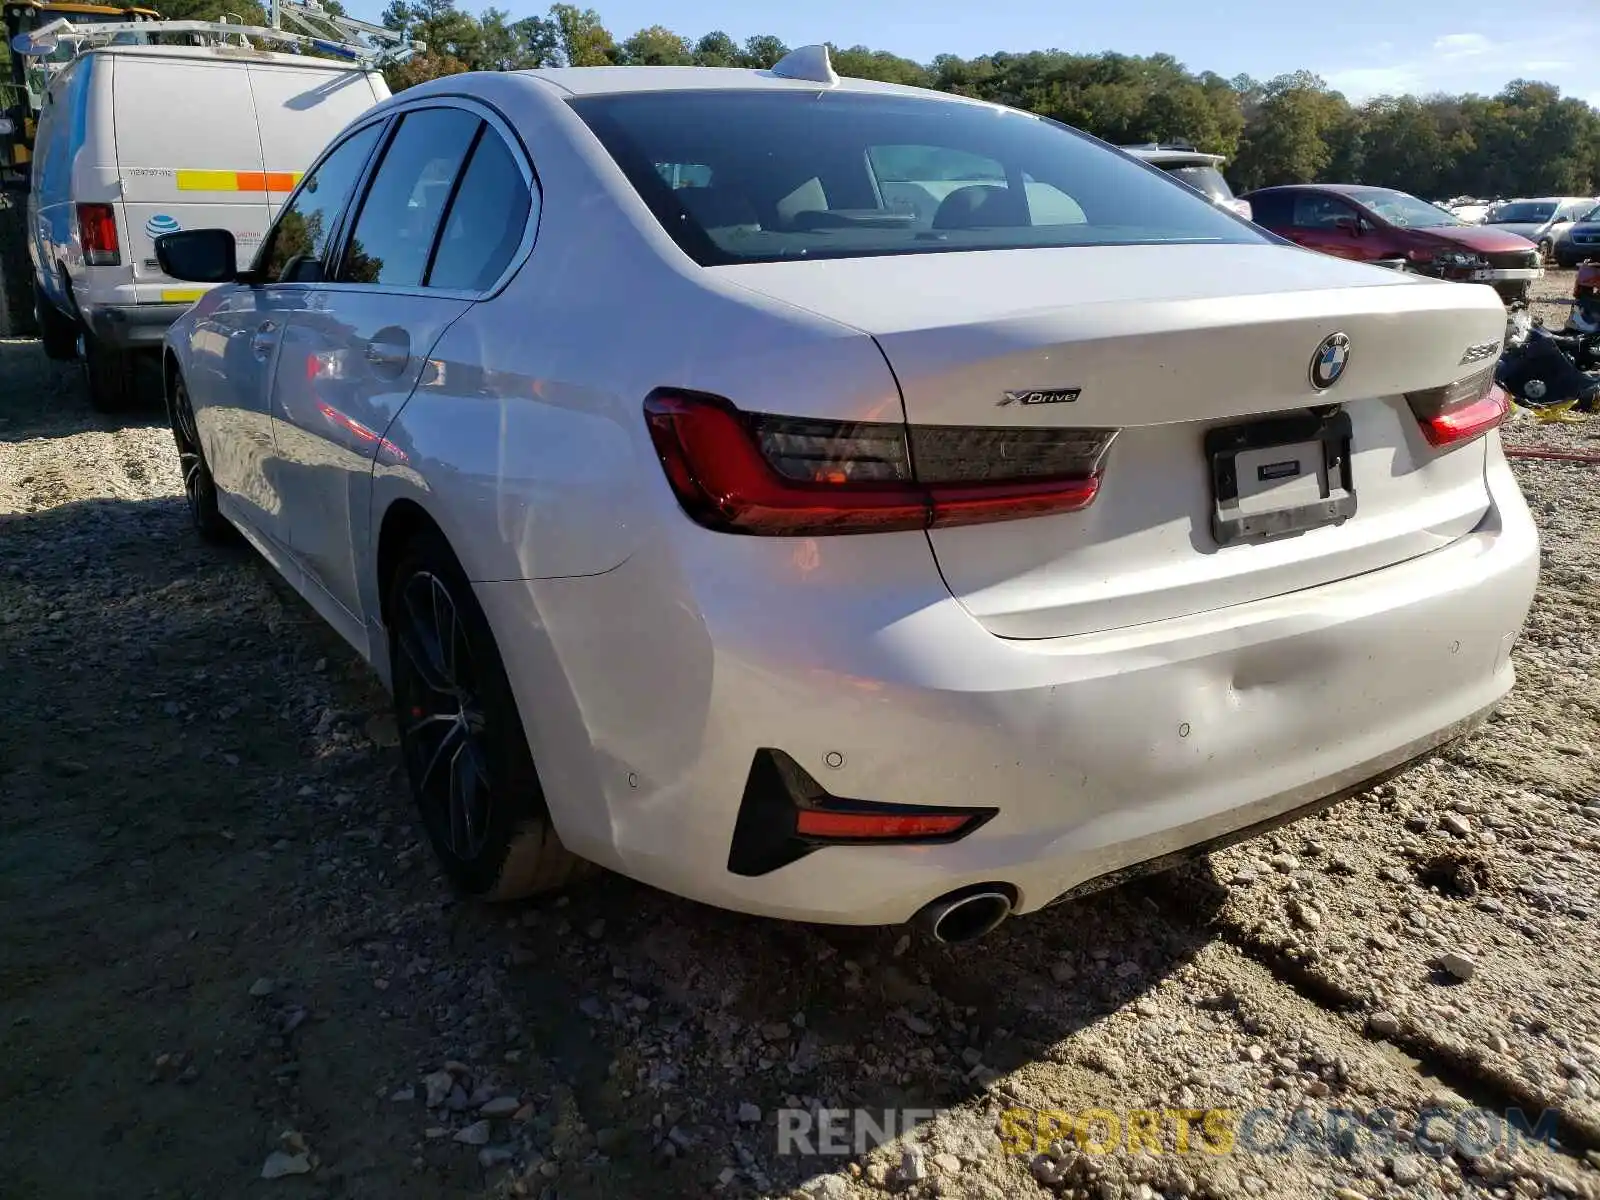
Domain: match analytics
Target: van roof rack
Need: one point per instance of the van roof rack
(315, 30)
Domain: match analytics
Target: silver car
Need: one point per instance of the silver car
(1543, 221)
(846, 502)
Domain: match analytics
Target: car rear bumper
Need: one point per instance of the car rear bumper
(133, 326)
(1100, 751)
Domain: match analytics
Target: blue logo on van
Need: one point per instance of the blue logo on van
(161, 223)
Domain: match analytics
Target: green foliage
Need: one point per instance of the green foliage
(1526, 140)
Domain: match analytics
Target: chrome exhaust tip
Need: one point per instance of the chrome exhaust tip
(965, 915)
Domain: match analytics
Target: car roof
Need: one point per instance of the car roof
(1340, 189)
(611, 81)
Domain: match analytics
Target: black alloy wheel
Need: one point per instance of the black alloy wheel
(199, 489)
(472, 774)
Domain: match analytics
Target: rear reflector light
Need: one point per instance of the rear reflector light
(1460, 411)
(97, 232)
(850, 826)
(786, 476)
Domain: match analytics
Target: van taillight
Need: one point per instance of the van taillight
(97, 231)
(756, 473)
(1460, 411)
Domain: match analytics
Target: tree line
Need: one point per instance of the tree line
(1527, 140)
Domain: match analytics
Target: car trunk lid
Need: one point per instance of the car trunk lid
(1167, 344)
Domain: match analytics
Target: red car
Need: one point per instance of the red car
(1379, 225)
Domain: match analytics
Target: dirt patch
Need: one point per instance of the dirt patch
(227, 950)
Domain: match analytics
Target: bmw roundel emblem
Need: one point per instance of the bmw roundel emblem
(1330, 360)
(160, 224)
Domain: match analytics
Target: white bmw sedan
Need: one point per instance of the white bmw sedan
(845, 502)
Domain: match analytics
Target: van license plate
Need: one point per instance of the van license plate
(1280, 476)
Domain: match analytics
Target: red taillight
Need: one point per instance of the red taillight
(1460, 411)
(786, 476)
(851, 826)
(97, 232)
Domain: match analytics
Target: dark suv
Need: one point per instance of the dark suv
(1379, 225)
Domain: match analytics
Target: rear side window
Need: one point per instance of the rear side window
(802, 174)
(1274, 210)
(294, 247)
(401, 213)
(1313, 211)
(487, 219)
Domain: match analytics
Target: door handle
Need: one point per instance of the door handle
(264, 339)
(389, 351)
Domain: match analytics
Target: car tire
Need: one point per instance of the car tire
(199, 488)
(1513, 293)
(472, 775)
(107, 373)
(57, 331)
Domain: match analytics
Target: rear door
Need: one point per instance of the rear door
(355, 351)
(189, 158)
(1329, 224)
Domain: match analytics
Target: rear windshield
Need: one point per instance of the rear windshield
(765, 176)
(1202, 178)
(1527, 210)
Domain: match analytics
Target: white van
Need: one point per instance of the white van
(136, 141)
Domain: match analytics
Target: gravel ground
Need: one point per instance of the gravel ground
(228, 955)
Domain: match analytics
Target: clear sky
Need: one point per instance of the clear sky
(1362, 47)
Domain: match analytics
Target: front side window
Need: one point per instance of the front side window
(801, 174)
(293, 249)
(401, 212)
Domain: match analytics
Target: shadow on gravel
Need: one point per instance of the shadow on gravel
(40, 398)
(193, 798)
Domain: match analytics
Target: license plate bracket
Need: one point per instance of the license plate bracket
(1317, 447)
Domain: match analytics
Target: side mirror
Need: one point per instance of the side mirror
(199, 255)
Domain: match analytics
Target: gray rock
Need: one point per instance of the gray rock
(749, 1114)
(280, 1164)
(1063, 972)
(1462, 966)
(500, 1106)
(404, 1095)
(914, 1023)
(476, 1134)
(1284, 863)
(1456, 824)
(1383, 1024)
(827, 1187)
(438, 1086)
(1305, 916)
(495, 1156)
(263, 987)
(1407, 1170)
(913, 1167)
(948, 1163)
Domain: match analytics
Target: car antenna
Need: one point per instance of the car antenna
(810, 63)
